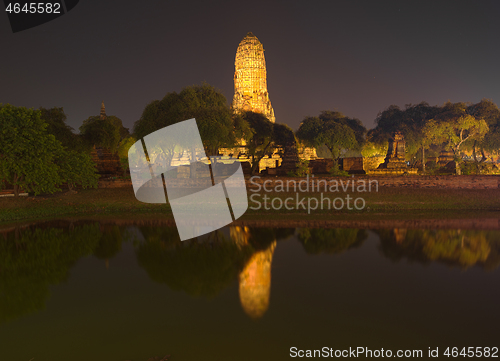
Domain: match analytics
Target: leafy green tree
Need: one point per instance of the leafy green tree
(202, 102)
(371, 149)
(409, 121)
(106, 133)
(355, 124)
(266, 137)
(213, 116)
(260, 144)
(77, 169)
(455, 132)
(330, 131)
(123, 149)
(490, 112)
(27, 151)
(56, 120)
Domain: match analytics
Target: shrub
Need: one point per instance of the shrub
(337, 172)
(302, 168)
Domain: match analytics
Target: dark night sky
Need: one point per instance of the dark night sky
(355, 57)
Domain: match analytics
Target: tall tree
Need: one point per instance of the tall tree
(56, 125)
(213, 116)
(455, 132)
(490, 112)
(27, 151)
(265, 138)
(77, 169)
(202, 102)
(106, 133)
(409, 121)
(331, 131)
(355, 124)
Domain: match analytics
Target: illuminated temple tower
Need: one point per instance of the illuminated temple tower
(250, 84)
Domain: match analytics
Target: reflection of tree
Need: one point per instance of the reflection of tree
(33, 259)
(196, 267)
(493, 260)
(202, 267)
(110, 243)
(454, 247)
(261, 238)
(334, 240)
(457, 246)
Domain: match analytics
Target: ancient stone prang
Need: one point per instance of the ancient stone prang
(250, 78)
(395, 158)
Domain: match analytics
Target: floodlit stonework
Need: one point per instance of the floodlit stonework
(250, 78)
(395, 162)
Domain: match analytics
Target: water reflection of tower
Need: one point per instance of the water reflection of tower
(255, 278)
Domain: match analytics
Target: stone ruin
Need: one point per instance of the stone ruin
(108, 163)
(250, 94)
(395, 162)
(250, 78)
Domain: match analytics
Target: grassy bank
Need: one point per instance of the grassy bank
(391, 201)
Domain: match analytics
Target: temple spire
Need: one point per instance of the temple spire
(250, 78)
(103, 111)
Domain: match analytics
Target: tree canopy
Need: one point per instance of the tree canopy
(33, 160)
(333, 130)
(460, 127)
(77, 169)
(27, 151)
(56, 125)
(409, 121)
(490, 112)
(263, 136)
(202, 102)
(455, 129)
(106, 133)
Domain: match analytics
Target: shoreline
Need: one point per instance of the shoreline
(467, 221)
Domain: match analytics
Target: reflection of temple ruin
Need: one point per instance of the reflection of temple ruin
(239, 235)
(255, 282)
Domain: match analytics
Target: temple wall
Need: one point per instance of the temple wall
(353, 164)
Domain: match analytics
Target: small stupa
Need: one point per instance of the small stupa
(395, 161)
(108, 163)
(102, 115)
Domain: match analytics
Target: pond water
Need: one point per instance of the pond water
(95, 291)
